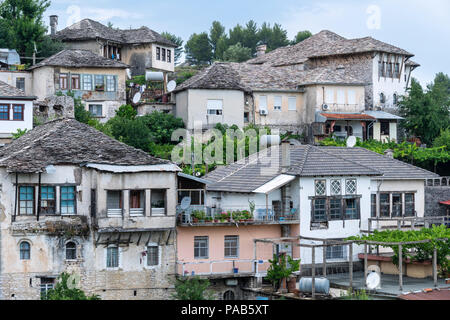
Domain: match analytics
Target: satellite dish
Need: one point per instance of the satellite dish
(373, 281)
(128, 73)
(171, 86)
(198, 174)
(351, 142)
(137, 98)
(185, 203)
(325, 107)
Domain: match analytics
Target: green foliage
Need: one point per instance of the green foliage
(355, 295)
(274, 37)
(216, 36)
(192, 289)
(19, 133)
(162, 125)
(279, 270)
(134, 132)
(127, 112)
(64, 290)
(179, 42)
(199, 49)
(301, 36)
(423, 251)
(443, 140)
(237, 53)
(426, 112)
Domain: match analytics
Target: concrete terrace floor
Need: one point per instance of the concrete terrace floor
(389, 283)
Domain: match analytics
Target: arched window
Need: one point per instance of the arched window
(25, 250)
(382, 98)
(228, 295)
(71, 250)
(395, 99)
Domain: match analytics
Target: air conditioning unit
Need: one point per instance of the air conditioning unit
(325, 107)
(263, 112)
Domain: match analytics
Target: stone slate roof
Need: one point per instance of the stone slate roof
(310, 161)
(322, 44)
(76, 58)
(88, 29)
(7, 91)
(68, 141)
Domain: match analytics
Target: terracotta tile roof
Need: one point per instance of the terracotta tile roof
(347, 116)
(76, 58)
(441, 294)
(446, 203)
(88, 29)
(68, 141)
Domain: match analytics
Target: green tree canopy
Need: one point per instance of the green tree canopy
(66, 289)
(179, 42)
(199, 49)
(192, 289)
(216, 33)
(237, 53)
(301, 36)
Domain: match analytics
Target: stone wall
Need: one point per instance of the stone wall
(434, 195)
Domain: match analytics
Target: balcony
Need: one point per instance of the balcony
(223, 268)
(206, 216)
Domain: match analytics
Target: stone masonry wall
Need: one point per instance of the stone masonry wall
(434, 195)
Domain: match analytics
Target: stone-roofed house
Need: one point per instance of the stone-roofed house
(290, 87)
(73, 199)
(143, 49)
(315, 192)
(16, 111)
(98, 81)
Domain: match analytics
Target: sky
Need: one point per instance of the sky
(420, 27)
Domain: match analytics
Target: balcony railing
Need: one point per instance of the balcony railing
(223, 267)
(206, 215)
(407, 222)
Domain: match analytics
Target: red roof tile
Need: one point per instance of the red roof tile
(347, 116)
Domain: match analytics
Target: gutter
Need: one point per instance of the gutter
(18, 98)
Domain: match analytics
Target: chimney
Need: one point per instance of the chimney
(53, 24)
(285, 154)
(389, 153)
(261, 50)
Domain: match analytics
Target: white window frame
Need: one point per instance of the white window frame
(316, 182)
(347, 181)
(96, 105)
(340, 187)
(344, 253)
(277, 103)
(214, 107)
(85, 83)
(207, 248)
(341, 96)
(119, 257)
(237, 246)
(263, 103)
(110, 83)
(329, 96)
(351, 97)
(292, 103)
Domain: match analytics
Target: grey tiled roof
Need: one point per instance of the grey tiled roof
(88, 29)
(76, 58)
(310, 161)
(68, 141)
(7, 91)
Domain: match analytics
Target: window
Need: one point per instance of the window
(335, 209)
(277, 103)
(336, 187)
(99, 83)
(20, 83)
(228, 295)
(63, 81)
(373, 205)
(349, 130)
(263, 103)
(384, 125)
(350, 186)
(215, 107)
(396, 70)
(382, 98)
(114, 203)
(336, 252)
(292, 103)
(380, 68)
(329, 96)
(163, 54)
(48, 203)
(110, 83)
(231, 247)
(389, 71)
(321, 187)
(25, 250)
(137, 202)
(96, 110)
(201, 248)
(383, 74)
(246, 117)
(71, 250)
(158, 53)
(18, 112)
(320, 210)
(26, 200)
(87, 82)
(112, 257)
(351, 97)
(397, 205)
(385, 205)
(152, 255)
(46, 285)
(75, 82)
(395, 99)
(4, 112)
(409, 205)
(351, 209)
(158, 200)
(341, 97)
(68, 200)
(169, 55)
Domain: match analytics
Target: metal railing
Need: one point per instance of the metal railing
(407, 222)
(268, 214)
(223, 267)
(438, 182)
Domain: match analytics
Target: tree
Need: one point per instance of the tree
(179, 42)
(301, 36)
(443, 140)
(66, 289)
(21, 25)
(192, 289)
(237, 53)
(216, 33)
(134, 132)
(275, 37)
(425, 113)
(443, 80)
(199, 49)
(251, 36)
(279, 270)
(221, 47)
(236, 35)
(162, 125)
